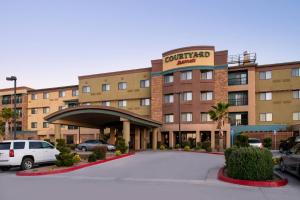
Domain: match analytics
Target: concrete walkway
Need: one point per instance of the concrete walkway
(146, 175)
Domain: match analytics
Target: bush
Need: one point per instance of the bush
(100, 152)
(249, 163)
(118, 153)
(267, 142)
(241, 141)
(65, 157)
(121, 146)
(185, 143)
(92, 157)
(206, 145)
(192, 142)
(162, 147)
(187, 148)
(71, 146)
(76, 158)
(228, 153)
(177, 146)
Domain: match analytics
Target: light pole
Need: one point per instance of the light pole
(13, 78)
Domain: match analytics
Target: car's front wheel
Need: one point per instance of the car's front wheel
(282, 166)
(27, 163)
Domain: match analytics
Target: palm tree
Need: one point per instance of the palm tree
(7, 115)
(219, 113)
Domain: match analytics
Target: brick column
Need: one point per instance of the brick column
(212, 140)
(126, 131)
(154, 138)
(137, 139)
(57, 131)
(198, 138)
(143, 140)
(112, 136)
(171, 139)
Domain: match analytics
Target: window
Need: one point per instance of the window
(238, 78)
(144, 83)
(19, 112)
(187, 96)
(33, 96)
(46, 145)
(34, 111)
(186, 75)
(205, 117)
(265, 96)
(19, 98)
(169, 78)
(19, 145)
(86, 89)
(4, 145)
(145, 102)
(35, 145)
(122, 103)
(169, 98)
(62, 93)
(206, 96)
(45, 125)
(122, 86)
(239, 98)
(70, 127)
(265, 75)
(296, 116)
(169, 118)
(33, 124)
(75, 92)
(6, 99)
(206, 75)
(105, 87)
(296, 94)
(46, 110)
(46, 95)
(105, 103)
(296, 72)
(265, 117)
(186, 117)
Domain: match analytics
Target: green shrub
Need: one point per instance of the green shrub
(177, 146)
(267, 142)
(121, 146)
(192, 142)
(185, 143)
(241, 141)
(92, 157)
(187, 148)
(228, 153)
(65, 157)
(76, 158)
(162, 147)
(118, 153)
(207, 146)
(249, 163)
(100, 152)
(199, 145)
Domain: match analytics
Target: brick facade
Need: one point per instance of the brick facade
(156, 98)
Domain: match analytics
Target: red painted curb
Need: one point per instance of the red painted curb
(277, 183)
(60, 171)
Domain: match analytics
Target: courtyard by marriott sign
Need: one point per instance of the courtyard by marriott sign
(190, 58)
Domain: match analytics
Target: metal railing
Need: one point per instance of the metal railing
(238, 122)
(238, 102)
(238, 81)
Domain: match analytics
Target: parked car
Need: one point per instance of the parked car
(286, 145)
(26, 153)
(291, 161)
(90, 144)
(254, 142)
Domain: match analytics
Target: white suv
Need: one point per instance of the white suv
(26, 153)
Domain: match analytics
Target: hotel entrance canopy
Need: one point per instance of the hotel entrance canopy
(98, 117)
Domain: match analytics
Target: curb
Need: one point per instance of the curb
(60, 171)
(277, 183)
(214, 153)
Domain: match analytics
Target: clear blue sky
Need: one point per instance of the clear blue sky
(48, 43)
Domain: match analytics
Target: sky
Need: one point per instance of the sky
(49, 43)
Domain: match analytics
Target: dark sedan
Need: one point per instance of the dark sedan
(291, 161)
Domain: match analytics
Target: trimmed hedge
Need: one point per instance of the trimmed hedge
(249, 163)
(100, 152)
(241, 141)
(267, 142)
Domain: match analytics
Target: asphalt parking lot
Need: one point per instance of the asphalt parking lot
(146, 175)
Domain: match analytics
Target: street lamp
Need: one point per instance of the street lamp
(13, 78)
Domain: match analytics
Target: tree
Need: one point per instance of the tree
(2, 128)
(219, 113)
(7, 115)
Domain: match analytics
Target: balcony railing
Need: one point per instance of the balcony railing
(238, 122)
(238, 102)
(238, 81)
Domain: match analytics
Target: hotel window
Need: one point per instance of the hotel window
(296, 72)
(19, 98)
(19, 112)
(206, 75)
(186, 117)
(205, 117)
(265, 117)
(86, 89)
(296, 116)
(75, 92)
(265, 96)
(169, 78)
(187, 96)
(296, 94)
(122, 86)
(186, 75)
(6, 100)
(122, 103)
(33, 124)
(45, 125)
(46, 110)
(169, 98)
(206, 96)
(105, 87)
(105, 103)
(34, 110)
(33, 96)
(145, 102)
(46, 95)
(62, 93)
(144, 83)
(169, 118)
(265, 75)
